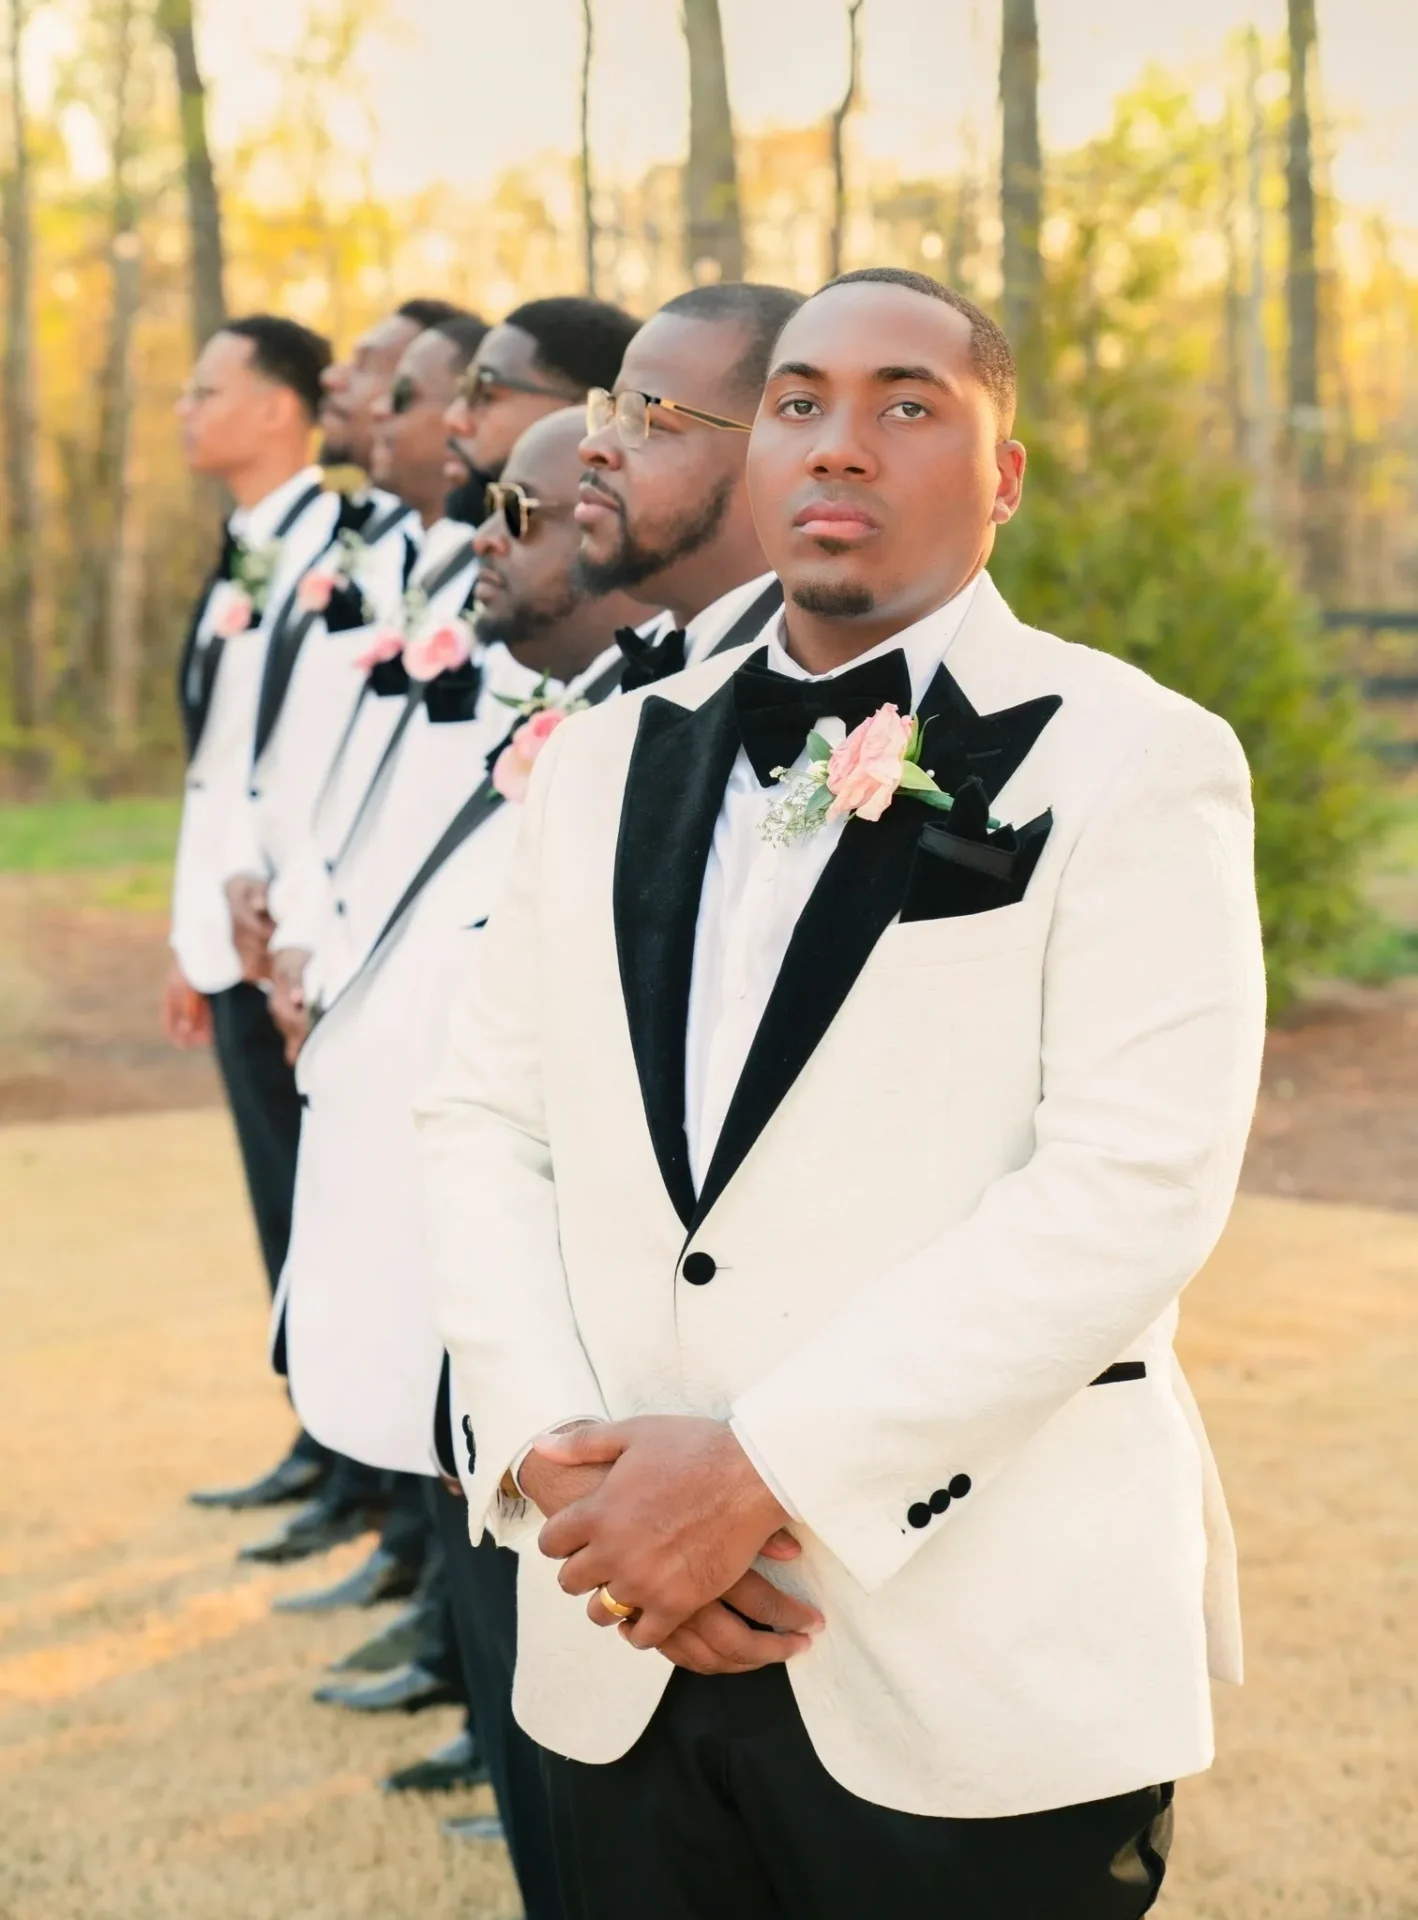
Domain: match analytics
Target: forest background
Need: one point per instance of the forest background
(1218, 350)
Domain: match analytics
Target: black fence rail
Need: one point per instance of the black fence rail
(1388, 687)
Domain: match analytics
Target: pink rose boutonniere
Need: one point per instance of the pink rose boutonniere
(317, 589)
(512, 769)
(234, 613)
(387, 643)
(857, 779)
(435, 649)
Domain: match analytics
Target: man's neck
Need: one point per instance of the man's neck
(262, 477)
(569, 646)
(702, 578)
(824, 643)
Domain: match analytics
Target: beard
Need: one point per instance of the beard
(635, 561)
(519, 623)
(835, 600)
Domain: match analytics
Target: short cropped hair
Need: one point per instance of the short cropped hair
(428, 313)
(990, 352)
(286, 353)
(578, 340)
(760, 312)
(466, 331)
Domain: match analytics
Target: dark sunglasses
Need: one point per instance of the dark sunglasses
(515, 505)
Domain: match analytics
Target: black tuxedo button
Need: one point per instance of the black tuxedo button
(253, 793)
(699, 1269)
(472, 1447)
(960, 1486)
(940, 1500)
(919, 1514)
(339, 906)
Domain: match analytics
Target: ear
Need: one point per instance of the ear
(1011, 460)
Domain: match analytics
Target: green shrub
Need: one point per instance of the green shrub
(1156, 559)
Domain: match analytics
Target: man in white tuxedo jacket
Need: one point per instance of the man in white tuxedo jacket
(353, 1313)
(246, 419)
(841, 1184)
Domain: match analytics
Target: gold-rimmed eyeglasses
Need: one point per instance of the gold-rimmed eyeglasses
(629, 413)
(515, 505)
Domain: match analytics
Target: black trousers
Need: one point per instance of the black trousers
(483, 1585)
(260, 1089)
(722, 1808)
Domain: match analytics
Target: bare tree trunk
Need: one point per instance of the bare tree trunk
(588, 207)
(839, 122)
(1258, 448)
(121, 666)
(1021, 176)
(713, 229)
(1302, 287)
(204, 210)
(21, 483)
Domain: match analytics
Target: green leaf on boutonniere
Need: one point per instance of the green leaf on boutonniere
(819, 803)
(818, 748)
(933, 798)
(915, 779)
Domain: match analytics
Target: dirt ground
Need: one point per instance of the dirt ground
(82, 958)
(159, 1755)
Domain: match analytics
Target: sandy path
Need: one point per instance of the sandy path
(159, 1756)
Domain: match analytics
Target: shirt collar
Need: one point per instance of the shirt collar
(256, 525)
(925, 645)
(716, 619)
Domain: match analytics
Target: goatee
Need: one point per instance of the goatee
(835, 600)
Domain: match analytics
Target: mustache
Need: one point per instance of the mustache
(591, 482)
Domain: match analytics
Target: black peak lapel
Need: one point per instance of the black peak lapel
(859, 895)
(679, 768)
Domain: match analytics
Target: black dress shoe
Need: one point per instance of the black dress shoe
(459, 1764)
(317, 1527)
(396, 1646)
(295, 1478)
(406, 1690)
(384, 1576)
(475, 1826)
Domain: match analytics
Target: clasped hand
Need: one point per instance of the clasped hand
(668, 1512)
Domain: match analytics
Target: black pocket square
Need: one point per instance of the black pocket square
(963, 865)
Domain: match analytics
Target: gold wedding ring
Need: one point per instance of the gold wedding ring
(612, 1605)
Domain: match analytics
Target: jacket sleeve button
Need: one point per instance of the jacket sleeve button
(940, 1500)
(960, 1486)
(919, 1514)
(699, 1269)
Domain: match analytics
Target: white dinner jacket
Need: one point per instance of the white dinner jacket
(973, 1159)
(310, 684)
(300, 895)
(352, 1322)
(353, 1311)
(427, 770)
(215, 792)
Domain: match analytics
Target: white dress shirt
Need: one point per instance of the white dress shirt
(217, 778)
(753, 894)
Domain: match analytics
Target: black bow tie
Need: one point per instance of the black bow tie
(647, 660)
(776, 714)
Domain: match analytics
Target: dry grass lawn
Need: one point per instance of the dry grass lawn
(159, 1757)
